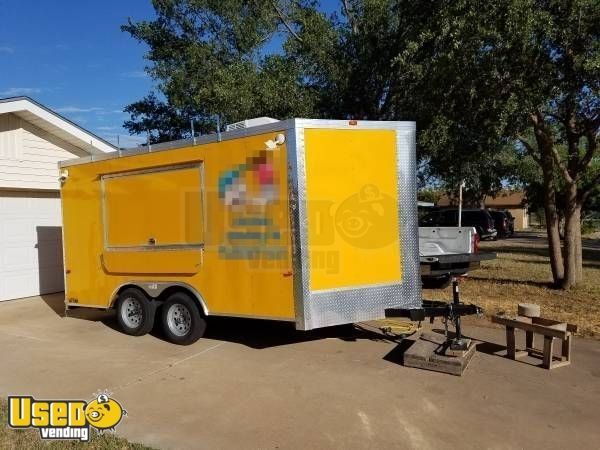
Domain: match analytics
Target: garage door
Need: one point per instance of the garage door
(30, 244)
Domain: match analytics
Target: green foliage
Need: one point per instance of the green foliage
(470, 73)
(478, 70)
(208, 60)
(217, 58)
(430, 195)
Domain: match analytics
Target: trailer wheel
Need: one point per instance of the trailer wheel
(135, 312)
(182, 321)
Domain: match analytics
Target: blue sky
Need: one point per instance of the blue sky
(71, 56)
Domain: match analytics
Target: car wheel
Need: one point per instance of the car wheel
(135, 312)
(182, 321)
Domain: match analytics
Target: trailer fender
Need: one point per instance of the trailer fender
(154, 289)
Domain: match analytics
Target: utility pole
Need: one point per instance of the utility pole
(460, 201)
(218, 127)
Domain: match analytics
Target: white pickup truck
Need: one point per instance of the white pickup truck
(446, 252)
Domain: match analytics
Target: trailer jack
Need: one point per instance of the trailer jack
(449, 312)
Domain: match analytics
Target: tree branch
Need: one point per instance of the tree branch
(530, 150)
(561, 165)
(350, 16)
(285, 22)
(590, 135)
(542, 132)
(586, 193)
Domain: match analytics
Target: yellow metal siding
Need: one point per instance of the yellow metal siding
(163, 205)
(352, 206)
(245, 265)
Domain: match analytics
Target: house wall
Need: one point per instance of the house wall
(518, 212)
(521, 218)
(29, 155)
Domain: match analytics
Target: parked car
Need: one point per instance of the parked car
(501, 223)
(480, 219)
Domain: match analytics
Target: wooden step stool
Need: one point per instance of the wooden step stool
(550, 329)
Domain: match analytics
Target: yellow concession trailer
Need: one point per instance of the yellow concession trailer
(308, 221)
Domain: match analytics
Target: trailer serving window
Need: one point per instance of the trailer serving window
(157, 208)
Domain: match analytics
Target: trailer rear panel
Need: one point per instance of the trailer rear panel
(352, 207)
(356, 221)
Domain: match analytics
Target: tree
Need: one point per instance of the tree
(494, 73)
(430, 195)
(485, 81)
(160, 121)
(209, 60)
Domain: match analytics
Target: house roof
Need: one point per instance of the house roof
(515, 199)
(48, 120)
(507, 198)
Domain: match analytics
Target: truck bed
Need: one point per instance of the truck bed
(448, 251)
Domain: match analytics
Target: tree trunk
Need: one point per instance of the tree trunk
(573, 257)
(579, 250)
(552, 220)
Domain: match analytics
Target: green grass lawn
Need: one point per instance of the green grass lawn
(521, 274)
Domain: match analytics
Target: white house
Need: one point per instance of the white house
(33, 139)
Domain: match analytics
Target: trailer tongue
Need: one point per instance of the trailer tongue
(450, 312)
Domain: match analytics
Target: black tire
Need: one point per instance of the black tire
(135, 312)
(435, 282)
(182, 321)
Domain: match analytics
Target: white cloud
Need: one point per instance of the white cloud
(6, 49)
(76, 109)
(98, 111)
(135, 74)
(16, 91)
(104, 112)
(109, 128)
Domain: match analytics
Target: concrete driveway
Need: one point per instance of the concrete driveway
(253, 384)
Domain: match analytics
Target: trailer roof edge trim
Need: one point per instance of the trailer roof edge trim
(234, 134)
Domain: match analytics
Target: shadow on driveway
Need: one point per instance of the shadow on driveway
(252, 333)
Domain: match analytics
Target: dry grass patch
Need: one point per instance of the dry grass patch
(30, 439)
(521, 273)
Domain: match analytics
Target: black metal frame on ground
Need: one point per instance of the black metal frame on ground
(449, 311)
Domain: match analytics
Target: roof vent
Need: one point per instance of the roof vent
(250, 123)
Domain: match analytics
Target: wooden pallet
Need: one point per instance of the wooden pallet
(430, 352)
(548, 328)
